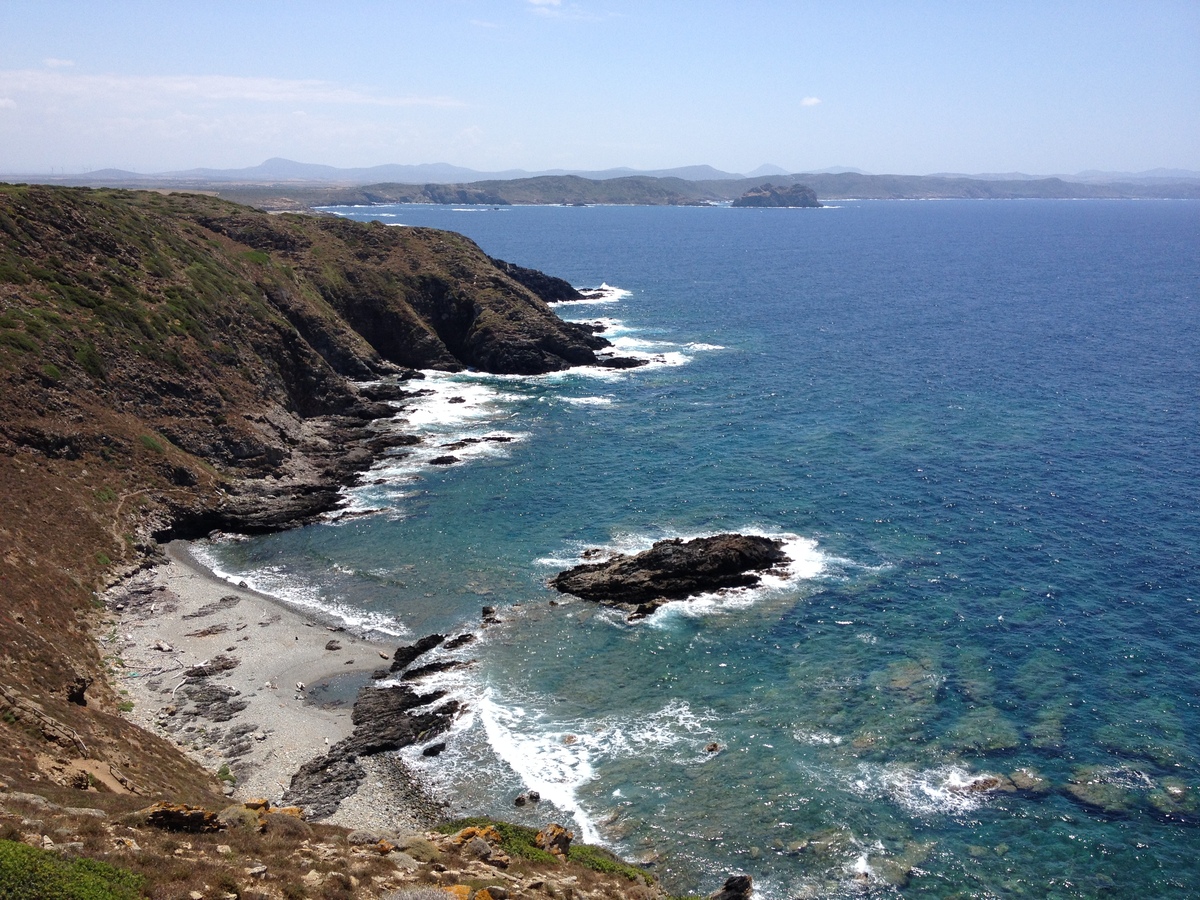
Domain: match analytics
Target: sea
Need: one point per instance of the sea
(976, 427)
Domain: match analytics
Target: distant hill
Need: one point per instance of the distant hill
(281, 184)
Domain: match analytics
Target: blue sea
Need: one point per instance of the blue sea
(976, 424)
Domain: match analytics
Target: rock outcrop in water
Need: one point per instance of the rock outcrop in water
(673, 570)
(771, 195)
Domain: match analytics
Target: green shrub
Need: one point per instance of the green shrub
(27, 873)
(515, 840)
(90, 360)
(106, 495)
(51, 371)
(151, 443)
(600, 860)
(103, 558)
(18, 340)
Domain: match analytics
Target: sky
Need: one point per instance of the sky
(887, 87)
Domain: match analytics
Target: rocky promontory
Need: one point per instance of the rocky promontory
(673, 570)
(772, 195)
(173, 363)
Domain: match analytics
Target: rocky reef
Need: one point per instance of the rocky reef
(772, 195)
(673, 570)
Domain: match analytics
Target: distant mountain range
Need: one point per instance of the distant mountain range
(278, 171)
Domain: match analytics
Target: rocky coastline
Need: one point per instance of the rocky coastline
(174, 365)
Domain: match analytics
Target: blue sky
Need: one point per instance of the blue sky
(916, 87)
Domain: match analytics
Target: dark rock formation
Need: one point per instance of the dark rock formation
(771, 195)
(384, 719)
(549, 288)
(404, 655)
(736, 887)
(673, 570)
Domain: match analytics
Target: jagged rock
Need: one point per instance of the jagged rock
(555, 839)
(673, 570)
(333, 645)
(404, 655)
(736, 887)
(77, 689)
(478, 848)
(384, 719)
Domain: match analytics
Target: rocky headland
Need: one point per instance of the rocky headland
(172, 364)
(673, 570)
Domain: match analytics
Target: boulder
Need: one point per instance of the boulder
(736, 887)
(555, 839)
(238, 816)
(673, 570)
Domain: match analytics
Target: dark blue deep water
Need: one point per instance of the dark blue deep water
(978, 426)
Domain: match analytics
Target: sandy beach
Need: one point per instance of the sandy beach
(241, 680)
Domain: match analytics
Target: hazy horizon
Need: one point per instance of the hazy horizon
(591, 85)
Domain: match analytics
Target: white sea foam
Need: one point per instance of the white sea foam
(557, 757)
(589, 401)
(606, 293)
(942, 790)
(303, 595)
(816, 738)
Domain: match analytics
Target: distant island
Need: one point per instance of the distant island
(770, 195)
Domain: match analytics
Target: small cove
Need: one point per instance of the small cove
(981, 419)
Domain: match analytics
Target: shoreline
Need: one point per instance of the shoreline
(241, 712)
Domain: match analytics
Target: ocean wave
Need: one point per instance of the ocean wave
(521, 742)
(300, 594)
(605, 293)
(588, 401)
(938, 791)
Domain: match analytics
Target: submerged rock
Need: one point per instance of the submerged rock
(673, 570)
(1112, 790)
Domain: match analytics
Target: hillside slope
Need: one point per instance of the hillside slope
(171, 364)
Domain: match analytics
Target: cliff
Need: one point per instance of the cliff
(175, 363)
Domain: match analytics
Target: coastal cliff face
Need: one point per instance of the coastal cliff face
(171, 364)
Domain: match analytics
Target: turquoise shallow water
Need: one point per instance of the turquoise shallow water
(976, 422)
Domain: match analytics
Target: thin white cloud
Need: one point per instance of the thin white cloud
(55, 63)
(810, 101)
(545, 2)
(125, 89)
(8, 103)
